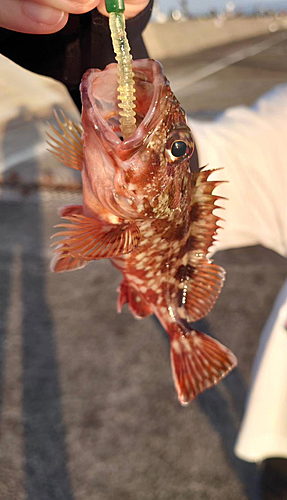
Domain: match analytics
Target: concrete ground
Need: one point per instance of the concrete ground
(242, 80)
(88, 409)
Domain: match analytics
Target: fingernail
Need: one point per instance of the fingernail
(42, 14)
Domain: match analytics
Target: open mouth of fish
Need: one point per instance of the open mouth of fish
(100, 101)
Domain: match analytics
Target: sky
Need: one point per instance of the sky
(203, 6)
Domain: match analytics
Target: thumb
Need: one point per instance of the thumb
(27, 16)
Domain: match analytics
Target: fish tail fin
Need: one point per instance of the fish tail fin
(198, 362)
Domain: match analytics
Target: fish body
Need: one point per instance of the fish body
(145, 209)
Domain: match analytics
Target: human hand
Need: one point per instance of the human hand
(49, 16)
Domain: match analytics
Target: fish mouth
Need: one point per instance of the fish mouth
(100, 103)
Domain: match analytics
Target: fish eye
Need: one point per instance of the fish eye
(178, 149)
(179, 145)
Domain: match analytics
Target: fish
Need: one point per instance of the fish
(147, 211)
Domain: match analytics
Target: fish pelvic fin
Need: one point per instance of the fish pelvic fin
(138, 305)
(90, 239)
(198, 362)
(66, 144)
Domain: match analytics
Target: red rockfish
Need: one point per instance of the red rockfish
(145, 209)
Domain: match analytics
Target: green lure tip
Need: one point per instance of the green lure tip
(115, 6)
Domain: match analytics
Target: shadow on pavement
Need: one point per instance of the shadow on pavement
(44, 450)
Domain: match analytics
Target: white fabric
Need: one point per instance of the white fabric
(23, 90)
(263, 431)
(250, 143)
(27, 103)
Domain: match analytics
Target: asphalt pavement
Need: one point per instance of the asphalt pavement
(88, 410)
(234, 76)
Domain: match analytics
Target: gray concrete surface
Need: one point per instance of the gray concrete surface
(239, 83)
(185, 37)
(88, 409)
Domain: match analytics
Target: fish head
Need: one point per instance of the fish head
(146, 174)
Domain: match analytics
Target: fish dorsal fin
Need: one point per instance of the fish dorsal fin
(90, 239)
(67, 146)
(204, 224)
(199, 287)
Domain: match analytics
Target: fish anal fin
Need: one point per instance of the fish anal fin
(67, 144)
(90, 239)
(138, 305)
(123, 296)
(63, 262)
(198, 362)
(199, 289)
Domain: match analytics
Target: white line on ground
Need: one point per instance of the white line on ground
(184, 82)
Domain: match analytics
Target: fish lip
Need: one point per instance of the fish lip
(92, 110)
(154, 71)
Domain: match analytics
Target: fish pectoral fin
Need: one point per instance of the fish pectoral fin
(66, 144)
(70, 210)
(90, 239)
(198, 362)
(63, 261)
(138, 305)
(199, 289)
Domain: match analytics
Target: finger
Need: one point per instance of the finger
(70, 6)
(29, 17)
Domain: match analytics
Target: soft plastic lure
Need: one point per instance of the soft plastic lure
(126, 82)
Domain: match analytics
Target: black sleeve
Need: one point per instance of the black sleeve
(83, 43)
